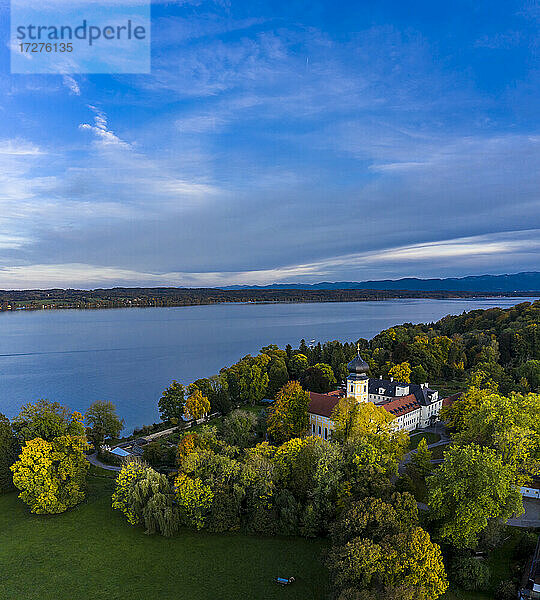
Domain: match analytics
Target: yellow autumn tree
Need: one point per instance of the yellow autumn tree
(401, 372)
(51, 475)
(197, 405)
(194, 499)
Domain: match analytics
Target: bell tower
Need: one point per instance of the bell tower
(357, 381)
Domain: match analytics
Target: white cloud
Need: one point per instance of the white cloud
(105, 136)
(71, 84)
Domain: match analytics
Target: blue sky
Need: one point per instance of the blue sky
(281, 142)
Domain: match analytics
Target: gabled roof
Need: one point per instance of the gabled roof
(322, 404)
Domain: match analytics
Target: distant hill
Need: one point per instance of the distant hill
(517, 282)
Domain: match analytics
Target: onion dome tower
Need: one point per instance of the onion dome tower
(357, 381)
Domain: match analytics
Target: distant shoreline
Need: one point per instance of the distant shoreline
(32, 300)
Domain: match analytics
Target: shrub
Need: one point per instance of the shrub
(470, 573)
(506, 590)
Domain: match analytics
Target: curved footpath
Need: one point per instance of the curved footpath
(93, 460)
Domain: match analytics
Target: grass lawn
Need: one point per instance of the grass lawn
(431, 438)
(92, 553)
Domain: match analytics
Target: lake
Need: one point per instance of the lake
(128, 356)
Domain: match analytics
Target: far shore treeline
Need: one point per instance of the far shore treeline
(170, 296)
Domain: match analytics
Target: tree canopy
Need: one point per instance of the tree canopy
(472, 487)
(47, 420)
(171, 403)
(102, 422)
(51, 474)
(288, 416)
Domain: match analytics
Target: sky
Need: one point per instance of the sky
(281, 141)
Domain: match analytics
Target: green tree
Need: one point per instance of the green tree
(171, 403)
(511, 425)
(376, 518)
(419, 374)
(9, 448)
(102, 422)
(51, 475)
(288, 416)
(238, 428)
(408, 559)
(367, 421)
(297, 365)
(318, 378)
(531, 372)
(276, 369)
(47, 420)
(471, 487)
(421, 459)
(470, 573)
(145, 498)
(215, 388)
(248, 379)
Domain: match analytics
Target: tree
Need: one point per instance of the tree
(419, 374)
(471, 487)
(145, 498)
(8, 454)
(470, 573)
(194, 500)
(376, 518)
(408, 559)
(238, 428)
(171, 403)
(421, 459)
(401, 372)
(276, 369)
(103, 422)
(365, 420)
(51, 475)
(247, 380)
(47, 420)
(197, 405)
(531, 372)
(318, 378)
(511, 425)
(288, 416)
(297, 365)
(186, 446)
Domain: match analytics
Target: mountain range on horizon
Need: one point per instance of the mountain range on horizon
(515, 282)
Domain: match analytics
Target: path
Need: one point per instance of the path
(445, 440)
(531, 517)
(93, 460)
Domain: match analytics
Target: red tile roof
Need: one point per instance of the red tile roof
(322, 404)
(401, 405)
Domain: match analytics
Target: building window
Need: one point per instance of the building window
(313, 428)
(319, 430)
(325, 433)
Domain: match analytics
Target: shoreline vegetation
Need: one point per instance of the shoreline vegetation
(56, 299)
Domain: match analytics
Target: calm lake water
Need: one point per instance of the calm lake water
(128, 356)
